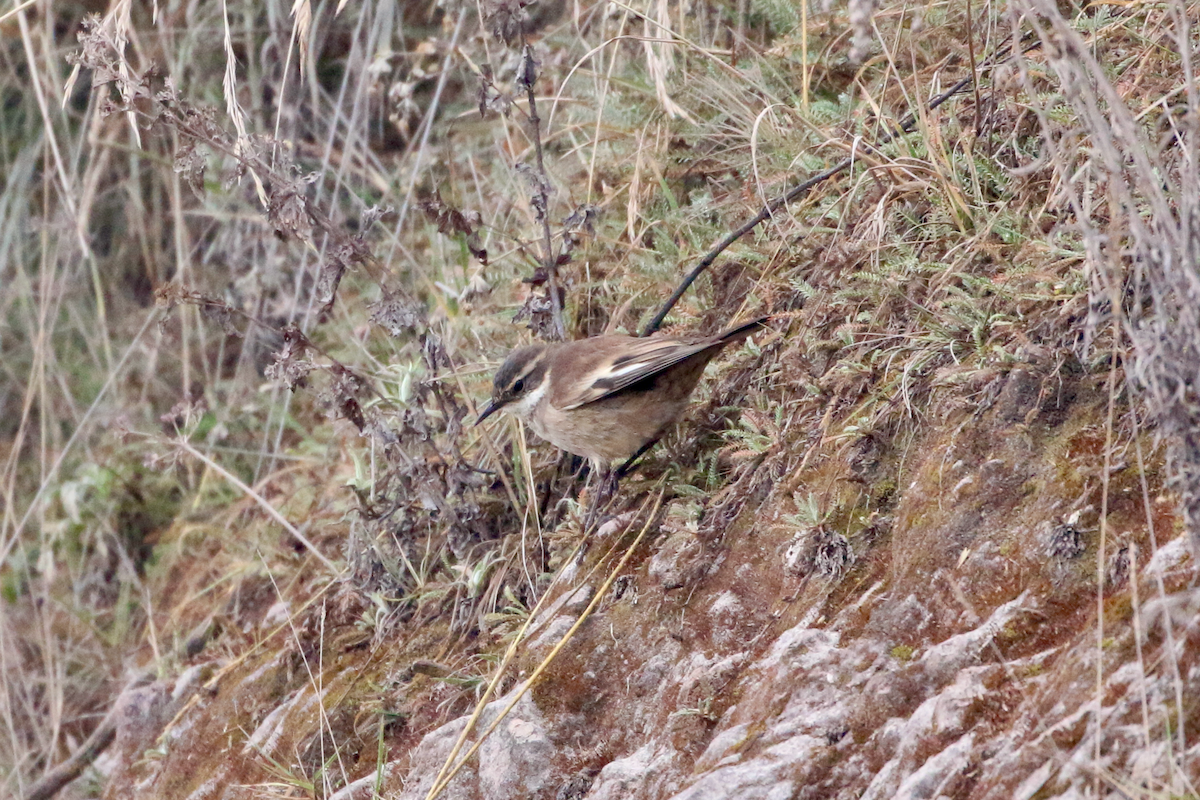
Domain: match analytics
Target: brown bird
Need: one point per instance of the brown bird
(608, 397)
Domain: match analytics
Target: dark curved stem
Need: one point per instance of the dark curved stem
(906, 126)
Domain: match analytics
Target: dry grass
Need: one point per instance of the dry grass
(246, 318)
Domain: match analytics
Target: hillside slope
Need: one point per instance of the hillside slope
(931, 533)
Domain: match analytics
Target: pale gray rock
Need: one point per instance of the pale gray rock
(513, 762)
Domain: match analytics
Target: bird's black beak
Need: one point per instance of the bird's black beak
(492, 408)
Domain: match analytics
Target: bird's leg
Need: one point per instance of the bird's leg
(631, 462)
(606, 481)
(570, 468)
(578, 467)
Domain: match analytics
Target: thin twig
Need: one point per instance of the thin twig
(14, 11)
(59, 776)
(6, 545)
(263, 504)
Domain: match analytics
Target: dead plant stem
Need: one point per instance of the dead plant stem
(441, 782)
(1100, 556)
(974, 68)
(542, 199)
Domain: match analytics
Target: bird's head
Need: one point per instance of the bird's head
(519, 383)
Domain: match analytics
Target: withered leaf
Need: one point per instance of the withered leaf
(288, 214)
(329, 279)
(397, 315)
(222, 314)
(452, 221)
(343, 394)
(539, 310)
(527, 69)
(490, 98)
(539, 189)
(291, 367)
(371, 216)
(506, 19)
(449, 220)
(582, 220)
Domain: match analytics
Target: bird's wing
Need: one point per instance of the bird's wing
(611, 363)
(619, 367)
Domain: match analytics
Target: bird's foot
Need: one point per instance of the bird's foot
(605, 492)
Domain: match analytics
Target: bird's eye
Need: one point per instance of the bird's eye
(519, 386)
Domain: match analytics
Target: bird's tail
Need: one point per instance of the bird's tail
(734, 335)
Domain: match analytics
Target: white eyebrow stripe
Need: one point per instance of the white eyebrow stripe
(534, 363)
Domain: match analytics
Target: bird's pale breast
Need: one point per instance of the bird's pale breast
(607, 430)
